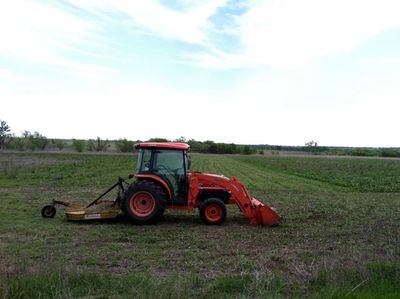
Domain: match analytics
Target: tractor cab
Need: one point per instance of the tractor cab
(168, 164)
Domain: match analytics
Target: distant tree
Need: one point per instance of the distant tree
(26, 141)
(311, 143)
(246, 150)
(98, 145)
(39, 141)
(221, 148)
(390, 153)
(60, 144)
(79, 145)
(157, 139)
(19, 143)
(196, 146)
(231, 149)
(181, 139)
(312, 146)
(34, 141)
(211, 147)
(4, 134)
(124, 145)
(26, 134)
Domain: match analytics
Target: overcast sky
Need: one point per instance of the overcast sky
(271, 72)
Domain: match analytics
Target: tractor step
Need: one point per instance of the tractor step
(177, 202)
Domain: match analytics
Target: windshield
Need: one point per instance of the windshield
(170, 161)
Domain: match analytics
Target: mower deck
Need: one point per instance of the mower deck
(101, 210)
(97, 209)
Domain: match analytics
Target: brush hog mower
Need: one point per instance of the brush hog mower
(163, 181)
(97, 209)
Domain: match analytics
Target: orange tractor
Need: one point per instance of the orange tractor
(163, 181)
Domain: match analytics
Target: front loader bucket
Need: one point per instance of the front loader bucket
(264, 214)
(256, 211)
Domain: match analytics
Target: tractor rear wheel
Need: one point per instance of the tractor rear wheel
(144, 202)
(212, 211)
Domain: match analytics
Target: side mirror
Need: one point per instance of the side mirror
(189, 162)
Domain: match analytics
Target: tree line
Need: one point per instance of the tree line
(211, 147)
(36, 141)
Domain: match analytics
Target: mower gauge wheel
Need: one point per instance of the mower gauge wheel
(48, 211)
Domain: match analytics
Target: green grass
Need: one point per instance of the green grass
(376, 282)
(340, 236)
(363, 175)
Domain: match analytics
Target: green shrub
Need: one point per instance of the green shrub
(79, 145)
(124, 145)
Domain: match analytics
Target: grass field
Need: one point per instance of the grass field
(340, 236)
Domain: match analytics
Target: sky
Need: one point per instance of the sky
(280, 72)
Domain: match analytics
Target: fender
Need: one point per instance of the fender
(158, 180)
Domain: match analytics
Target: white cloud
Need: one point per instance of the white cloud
(190, 24)
(41, 33)
(6, 75)
(35, 32)
(288, 33)
(282, 33)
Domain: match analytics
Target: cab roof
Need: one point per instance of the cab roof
(168, 145)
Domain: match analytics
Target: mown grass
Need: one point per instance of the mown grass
(364, 175)
(340, 235)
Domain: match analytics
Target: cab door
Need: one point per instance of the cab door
(170, 165)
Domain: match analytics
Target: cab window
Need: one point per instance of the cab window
(144, 159)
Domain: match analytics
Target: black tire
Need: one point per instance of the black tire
(48, 211)
(212, 211)
(144, 202)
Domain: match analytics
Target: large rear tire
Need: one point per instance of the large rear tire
(212, 211)
(144, 202)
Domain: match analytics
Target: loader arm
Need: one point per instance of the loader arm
(256, 211)
(253, 209)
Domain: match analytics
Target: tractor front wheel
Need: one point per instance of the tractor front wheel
(212, 211)
(144, 202)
